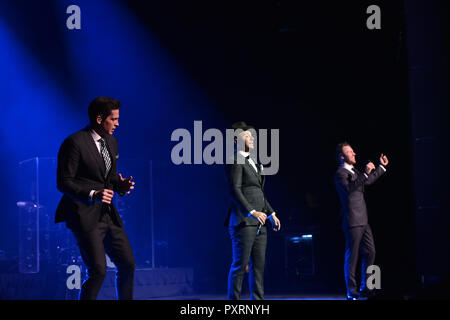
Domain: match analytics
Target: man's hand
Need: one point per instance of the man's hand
(384, 160)
(104, 195)
(275, 222)
(260, 216)
(369, 167)
(125, 184)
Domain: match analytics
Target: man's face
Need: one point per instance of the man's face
(349, 155)
(110, 123)
(248, 139)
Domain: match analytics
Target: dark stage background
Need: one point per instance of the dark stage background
(311, 69)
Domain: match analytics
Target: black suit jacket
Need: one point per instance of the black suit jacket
(350, 188)
(246, 188)
(81, 169)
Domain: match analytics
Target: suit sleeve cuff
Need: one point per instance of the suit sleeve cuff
(91, 196)
(250, 213)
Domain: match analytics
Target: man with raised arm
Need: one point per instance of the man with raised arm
(350, 185)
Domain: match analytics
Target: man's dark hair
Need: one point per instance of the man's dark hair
(101, 106)
(339, 150)
(241, 125)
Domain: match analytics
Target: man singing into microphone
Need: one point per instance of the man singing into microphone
(350, 185)
(246, 219)
(87, 177)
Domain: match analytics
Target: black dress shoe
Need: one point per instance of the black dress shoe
(353, 296)
(366, 293)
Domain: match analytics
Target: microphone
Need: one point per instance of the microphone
(259, 228)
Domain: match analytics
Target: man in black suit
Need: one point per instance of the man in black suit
(350, 185)
(246, 217)
(87, 177)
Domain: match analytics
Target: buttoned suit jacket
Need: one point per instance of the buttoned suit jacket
(246, 190)
(350, 187)
(81, 168)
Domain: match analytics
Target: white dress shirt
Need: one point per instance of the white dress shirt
(350, 168)
(253, 164)
(96, 137)
(250, 160)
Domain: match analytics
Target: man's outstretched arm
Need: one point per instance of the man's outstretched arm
(379, 171)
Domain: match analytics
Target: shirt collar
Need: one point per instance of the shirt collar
(244, 154)
(95, 135)
(348, 167)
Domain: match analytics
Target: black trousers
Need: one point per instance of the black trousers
(248, 249)
(108, 238)
(358, 240)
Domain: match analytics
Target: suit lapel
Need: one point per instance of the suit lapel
(353, 175)
(263, 178)
(92, 147)
(250, 167)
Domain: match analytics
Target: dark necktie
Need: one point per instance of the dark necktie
(355, 171)
(256, 164)
(258, 168)
(105, 155)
